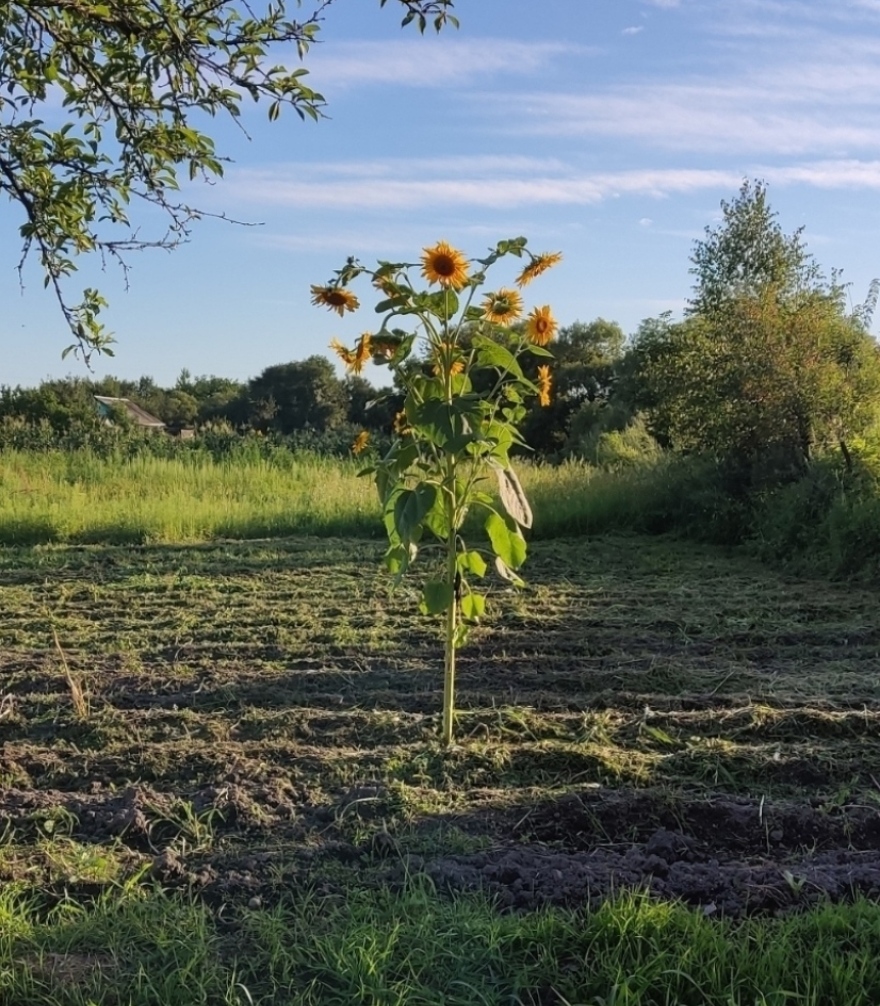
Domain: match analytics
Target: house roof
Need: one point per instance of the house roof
(135, 412)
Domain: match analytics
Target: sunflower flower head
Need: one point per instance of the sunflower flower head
(538, 264)
(360, 442)
(400, 425)
(337, 298)
(445, 265)
(545, 383)
(385, 284)
(362, 353)
(503, 307)
(343, 352)
(384, 346)
(444, 358)
(541, 326)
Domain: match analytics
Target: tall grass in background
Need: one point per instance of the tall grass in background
(826, 523)
(82, 498)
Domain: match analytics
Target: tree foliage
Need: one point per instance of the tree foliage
(135, 80)
(768, 361)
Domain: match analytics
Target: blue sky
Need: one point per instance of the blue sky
(609, 130)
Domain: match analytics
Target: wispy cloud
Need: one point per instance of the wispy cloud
(634, 30)
(405, 185)
(425, 61)
(822, 100)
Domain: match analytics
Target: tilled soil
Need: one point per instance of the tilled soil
(256, 719)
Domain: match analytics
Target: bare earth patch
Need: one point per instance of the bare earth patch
(261, 717)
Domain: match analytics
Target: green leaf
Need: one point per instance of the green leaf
(410, 509)
(471, 562)
(391, 304)
(473, 606)
(443, 304)
(490, 354)
(437, 520)
(507, 540)
(540, 351)
(461, 634)
(436, 597)
(437, 422)
(398, 558)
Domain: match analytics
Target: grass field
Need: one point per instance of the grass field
(251, 726)
(80, 498)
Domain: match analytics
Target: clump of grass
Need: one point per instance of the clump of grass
(78, 698)
(415, 947)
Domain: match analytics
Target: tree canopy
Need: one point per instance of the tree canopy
(135, 80)
(768, 358)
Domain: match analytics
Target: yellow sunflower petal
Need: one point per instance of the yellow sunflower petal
(503, 307)
(539, 264)
(400, 425)
(360, 442)
(343, 352)
(445, 265)
(541, 326)
(362, 353)
(337, 298)
(545, 382)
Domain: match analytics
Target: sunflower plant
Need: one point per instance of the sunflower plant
(456, 348)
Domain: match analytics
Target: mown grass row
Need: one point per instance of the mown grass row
(415, 947)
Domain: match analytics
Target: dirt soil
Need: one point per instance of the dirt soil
(259, 718)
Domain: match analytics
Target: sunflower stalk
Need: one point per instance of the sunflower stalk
(450, 643)
(465, 373)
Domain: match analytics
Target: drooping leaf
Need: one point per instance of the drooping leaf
(506, 573)
(507, 540)
(513, 498)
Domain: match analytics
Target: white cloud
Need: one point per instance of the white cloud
(822, 100)
(634, 30)
(424, 62)
(408, 185)
(402, 187)
(645, 222)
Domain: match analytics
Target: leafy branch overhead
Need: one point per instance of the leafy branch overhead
(133, 79)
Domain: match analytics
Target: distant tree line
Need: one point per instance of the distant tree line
(767, 369)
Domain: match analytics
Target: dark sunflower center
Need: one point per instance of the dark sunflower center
(444, 265)
(335, 298)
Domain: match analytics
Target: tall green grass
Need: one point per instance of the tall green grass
(79, 497)
(827, 522)
(417, 949)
